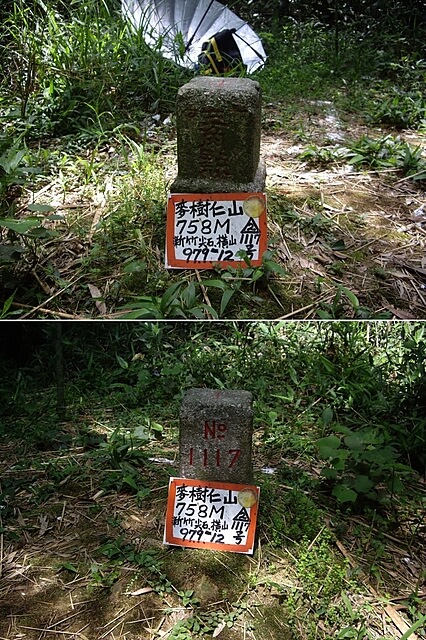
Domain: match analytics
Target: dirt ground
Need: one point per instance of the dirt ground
(364, 230)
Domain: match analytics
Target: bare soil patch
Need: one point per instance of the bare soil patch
(364, 230)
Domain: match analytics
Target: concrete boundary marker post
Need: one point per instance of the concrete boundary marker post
(216, 428)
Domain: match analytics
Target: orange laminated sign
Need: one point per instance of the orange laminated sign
(211, 515)
(215, 229)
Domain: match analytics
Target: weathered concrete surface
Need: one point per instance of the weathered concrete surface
(216, 430)
(218, 136)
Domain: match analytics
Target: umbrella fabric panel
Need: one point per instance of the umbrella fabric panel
(169, 21)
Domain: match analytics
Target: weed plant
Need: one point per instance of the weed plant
(78, 68)
(385, 152)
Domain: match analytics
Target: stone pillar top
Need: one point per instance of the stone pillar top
(218, 136)
(216, 435)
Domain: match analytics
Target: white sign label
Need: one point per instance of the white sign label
(203, 230)
(211, 515)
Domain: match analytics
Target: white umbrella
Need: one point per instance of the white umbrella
(180, 27)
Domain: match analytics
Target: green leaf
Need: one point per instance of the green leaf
(419, 176)
(20, 226)
(419, 623)
(140, 433)
(328, 446)
(40, 208)
(226, 297)
(351, 297)
(169, 296)
(274, 267)
(6, 306)
(363, 484)
(41, 232)
(131, 482)
(155, 426)
(189, 295)
(324, 315)
(347, 632)
(395, 485)
(219, 284)
(357, 159)
(327, 416)
(329, 473)
(344, 494)
(11, 161)
(123, 364)
(355, 442)
(68, 566)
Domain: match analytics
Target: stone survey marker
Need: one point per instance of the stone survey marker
(213, 504)
(218, 136)
(217, 207)
(216, 429)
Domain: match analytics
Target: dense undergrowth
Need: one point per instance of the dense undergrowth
(88, 113)
(339, 419)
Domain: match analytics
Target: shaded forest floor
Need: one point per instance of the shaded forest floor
(348, 241)
(83, 558)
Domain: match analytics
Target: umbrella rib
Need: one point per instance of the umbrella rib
(249, 45)
(198, 26)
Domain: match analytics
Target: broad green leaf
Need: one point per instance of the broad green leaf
(219, 284)
(329, 473)
(330, 444)
(355, 442)
(396, 486)
(41, 232)
(155, 426)
(20, 226)
(140, 433)
(12, 160)
(68, 566)
(135, 266)
(356, 159)
(40, 208)
(275, 267)
(257, 274)
(344, 494)
(10, 253)
(363, 484)
(131, 482)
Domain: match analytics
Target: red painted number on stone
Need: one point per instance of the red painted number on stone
(236, 454)
(214, 430)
